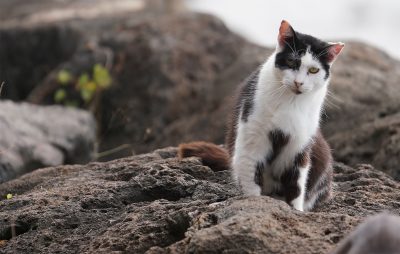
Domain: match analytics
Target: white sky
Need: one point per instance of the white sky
(376, 22)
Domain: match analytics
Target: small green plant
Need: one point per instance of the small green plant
(80, 91)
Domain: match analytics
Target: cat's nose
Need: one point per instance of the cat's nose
(298, 84)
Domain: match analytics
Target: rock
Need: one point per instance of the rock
(169, 84)
(148, 199)
(35, 136)
(172, 83)
(379, 234)
(362, 119)
(156, 204)
(22, 13)
(27, 55)
(264, 225)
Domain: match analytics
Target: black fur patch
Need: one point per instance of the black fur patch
(258, 177)
(247, 95)
(296, 47)
(278, 140)
(290, 188)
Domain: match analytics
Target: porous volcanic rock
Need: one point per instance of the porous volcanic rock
(155, 203)
(36, 136)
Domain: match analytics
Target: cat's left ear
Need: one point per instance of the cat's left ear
(286, 33)
(333, 51)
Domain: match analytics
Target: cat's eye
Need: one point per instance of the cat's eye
(313, 70)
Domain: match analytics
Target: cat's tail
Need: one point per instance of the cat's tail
(212, 155)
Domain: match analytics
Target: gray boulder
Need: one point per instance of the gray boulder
(34, 136)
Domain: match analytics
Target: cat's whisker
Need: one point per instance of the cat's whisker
(294, 45)
(329, 96)
(274, 92)
(333, 96)
(278, 99)
(273, 80)
(323, 52)
(331, 104)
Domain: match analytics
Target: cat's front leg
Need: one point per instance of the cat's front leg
(244, 171)
(298, 202)
(251, 148)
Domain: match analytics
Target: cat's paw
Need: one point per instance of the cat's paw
(298, 204)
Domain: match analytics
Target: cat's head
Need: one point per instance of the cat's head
(303, 61)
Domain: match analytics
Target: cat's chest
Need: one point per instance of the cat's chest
(299, 124)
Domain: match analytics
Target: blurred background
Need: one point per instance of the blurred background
(374, 22)
(95, 80)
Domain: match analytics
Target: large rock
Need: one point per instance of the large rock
(362, 118)
(34, 136)
(155, 203)
(171, 82)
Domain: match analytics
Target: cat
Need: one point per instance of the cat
(274, 143)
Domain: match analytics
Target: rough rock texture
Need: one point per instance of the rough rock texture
(34, 136)
(157, 204)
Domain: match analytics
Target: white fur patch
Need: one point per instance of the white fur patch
(298, 203)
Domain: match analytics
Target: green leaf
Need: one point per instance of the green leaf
(101, 76)
(60, 95)
(9, 196)
(64, 77)
(86, 95)
(83, 80)
(90, 86)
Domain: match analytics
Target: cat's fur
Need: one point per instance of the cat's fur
(274, 143)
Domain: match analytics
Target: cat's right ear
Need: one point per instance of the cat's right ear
(286, 33)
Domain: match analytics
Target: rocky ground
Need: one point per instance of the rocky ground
(173, 77)
(156, 204)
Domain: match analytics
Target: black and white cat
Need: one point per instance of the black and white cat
(274, 143)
